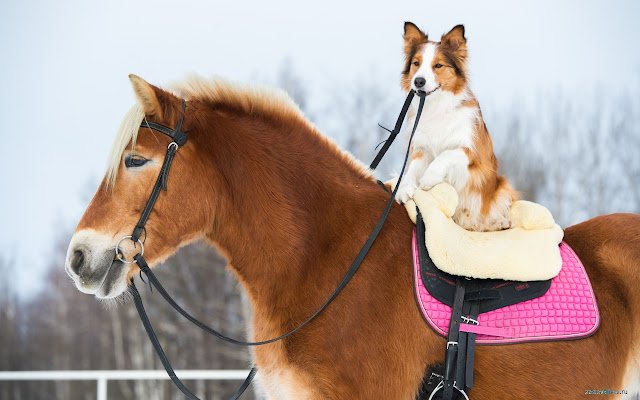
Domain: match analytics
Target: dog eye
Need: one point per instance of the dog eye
(438, 65)
(133, 161)
(416, 63)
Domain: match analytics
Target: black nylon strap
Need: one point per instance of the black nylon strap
(461, 361)
(163, 356)
(452, 353)
(471, 342)
(395, 131)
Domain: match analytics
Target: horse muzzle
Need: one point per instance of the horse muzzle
(93, 265)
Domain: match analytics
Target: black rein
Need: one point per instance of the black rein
(179, 138)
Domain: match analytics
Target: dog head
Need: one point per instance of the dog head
(432, 65)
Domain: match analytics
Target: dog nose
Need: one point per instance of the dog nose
(419, 82)
(77, 261)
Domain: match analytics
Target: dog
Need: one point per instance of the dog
(452, 143)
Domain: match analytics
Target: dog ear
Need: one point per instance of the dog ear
(413, 34)
(454, 39)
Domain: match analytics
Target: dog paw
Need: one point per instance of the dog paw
(428, 181)
(405, 192)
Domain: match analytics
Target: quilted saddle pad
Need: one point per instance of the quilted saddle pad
(568, 310)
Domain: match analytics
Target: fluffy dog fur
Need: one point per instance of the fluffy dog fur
(452, 143)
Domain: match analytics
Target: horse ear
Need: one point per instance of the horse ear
(455, 38)
(148, 96)
(413, 34)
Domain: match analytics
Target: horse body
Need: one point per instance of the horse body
(290, 211)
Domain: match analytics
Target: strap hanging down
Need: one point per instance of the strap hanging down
(165, 360)
(452, 352)
(395, 131)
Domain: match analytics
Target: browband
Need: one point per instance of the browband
(178, 136)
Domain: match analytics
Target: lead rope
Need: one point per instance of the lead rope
(161, 183)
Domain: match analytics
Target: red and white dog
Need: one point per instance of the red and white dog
(451, 143)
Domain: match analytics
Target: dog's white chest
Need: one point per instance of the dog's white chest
(445, 125)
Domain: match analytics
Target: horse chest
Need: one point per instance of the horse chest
(282, 383)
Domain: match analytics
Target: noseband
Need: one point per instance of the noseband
(179, 139)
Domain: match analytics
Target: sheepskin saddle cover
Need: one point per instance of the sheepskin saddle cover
(526, 252)
(518, 259)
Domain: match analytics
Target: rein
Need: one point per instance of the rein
(179, 138)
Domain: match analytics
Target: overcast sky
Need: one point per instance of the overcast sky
(64, 66)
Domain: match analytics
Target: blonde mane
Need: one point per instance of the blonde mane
(252, 99)
(128, 132)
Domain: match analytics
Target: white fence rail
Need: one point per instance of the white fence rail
(103, 376)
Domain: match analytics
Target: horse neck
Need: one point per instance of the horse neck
(293, 214)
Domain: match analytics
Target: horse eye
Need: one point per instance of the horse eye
(133, 161)
(438, 65)
(416, 63)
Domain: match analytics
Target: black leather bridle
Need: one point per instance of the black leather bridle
(179, 139)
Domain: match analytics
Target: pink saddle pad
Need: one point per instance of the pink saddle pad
(567, 311)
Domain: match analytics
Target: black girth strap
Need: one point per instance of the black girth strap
(452, 352)
(179, 138)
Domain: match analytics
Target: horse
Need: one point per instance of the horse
(289, 210)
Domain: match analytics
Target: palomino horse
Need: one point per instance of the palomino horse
(290, 211)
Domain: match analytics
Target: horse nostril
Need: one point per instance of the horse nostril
(77, 260)
(419, 82)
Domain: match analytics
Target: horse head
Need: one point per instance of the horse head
(99, 255)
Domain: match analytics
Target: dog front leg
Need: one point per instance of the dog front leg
(451, 166)
(415, 169)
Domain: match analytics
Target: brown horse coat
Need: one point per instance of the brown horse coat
(290, 211)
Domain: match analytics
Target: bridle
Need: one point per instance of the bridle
(179, 139)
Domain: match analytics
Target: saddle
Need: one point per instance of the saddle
(470, 311)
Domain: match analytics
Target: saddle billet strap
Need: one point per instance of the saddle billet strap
(453, 339)
(466, 348)
(461, 361)
(395, 131)
(471, 343)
